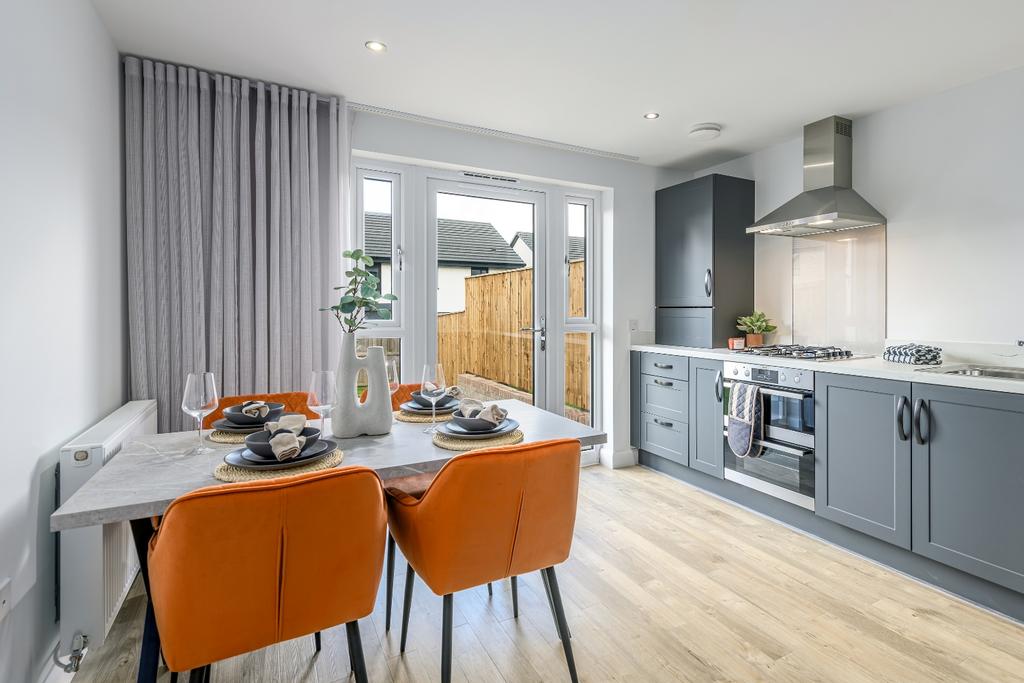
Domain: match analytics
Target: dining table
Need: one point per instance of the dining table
(152, 470)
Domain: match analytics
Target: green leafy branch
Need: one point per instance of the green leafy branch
(755, 323)
(361, 297)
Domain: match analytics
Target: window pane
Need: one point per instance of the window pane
(579, 377)
(378, 231)
(577, 253)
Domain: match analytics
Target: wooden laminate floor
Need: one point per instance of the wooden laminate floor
(665, 583)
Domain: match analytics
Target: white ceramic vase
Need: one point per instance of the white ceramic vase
(349, 417)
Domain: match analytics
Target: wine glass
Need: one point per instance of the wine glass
(199, 400)
(394, 380)
(320, 397)
(433, 389)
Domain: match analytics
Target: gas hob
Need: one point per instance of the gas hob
(813, 353)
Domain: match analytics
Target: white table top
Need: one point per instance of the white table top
(150, 472)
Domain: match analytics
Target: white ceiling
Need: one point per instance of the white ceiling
(583, 71)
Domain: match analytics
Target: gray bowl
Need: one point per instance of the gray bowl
(421, 400)
(234, 414)
(259, 442)
(473, 424)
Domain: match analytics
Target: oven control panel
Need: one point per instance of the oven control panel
(766, 374)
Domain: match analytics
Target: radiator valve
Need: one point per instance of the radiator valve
(78, 646)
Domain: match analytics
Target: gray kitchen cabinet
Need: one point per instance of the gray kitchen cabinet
(968, 481)
(667, 438)
(684, 244)
(706, 417)
(863, 455)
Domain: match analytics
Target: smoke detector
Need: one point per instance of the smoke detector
(705, 131)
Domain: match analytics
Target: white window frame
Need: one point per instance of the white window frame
(384, 328)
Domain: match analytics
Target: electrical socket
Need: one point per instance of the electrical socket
(5, 598)
(634, 325)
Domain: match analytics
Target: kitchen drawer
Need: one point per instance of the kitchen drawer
(665, 397)
(667, 438)
(664, 365)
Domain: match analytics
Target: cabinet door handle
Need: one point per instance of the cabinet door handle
(663, 366)
(718, 386)
(664, 383)
(901, 406)
(919, 408)
(707, 282)
(663, 424)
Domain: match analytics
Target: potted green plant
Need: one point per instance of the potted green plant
(359, 298)
(756, 325)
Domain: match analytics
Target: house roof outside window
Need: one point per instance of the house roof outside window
(576, 248)
(459, 243)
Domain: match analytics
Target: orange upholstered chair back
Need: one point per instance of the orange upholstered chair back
(235, 568)
(490, 514)
(403, 395)
(294, 402)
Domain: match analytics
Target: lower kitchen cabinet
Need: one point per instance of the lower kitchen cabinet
(863, 455)
(706, 417)
(667, 438)
(968, 481)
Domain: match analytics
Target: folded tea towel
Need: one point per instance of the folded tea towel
(429, 388)
(255, 408)
(913, 354)
(286, 445)
(745, 424)
(493, 413)
(293, 422)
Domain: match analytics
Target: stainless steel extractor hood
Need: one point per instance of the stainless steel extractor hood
(828, 203)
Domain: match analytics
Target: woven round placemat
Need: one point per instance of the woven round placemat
(449, 444)
(403, 416)
(232, 474)
(217, 436)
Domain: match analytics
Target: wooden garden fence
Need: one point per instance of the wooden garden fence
(485, 339)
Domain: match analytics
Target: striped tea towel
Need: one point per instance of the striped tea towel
(913, 354)
(745, 424)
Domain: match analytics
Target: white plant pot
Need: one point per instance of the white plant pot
(349, 417)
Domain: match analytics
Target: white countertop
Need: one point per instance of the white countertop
(863, 367)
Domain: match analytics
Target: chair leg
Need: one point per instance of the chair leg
(551, 603)
(174, 677)
(316, 640)
(563, 627)
(410, 579)
(515, 597)
(446, 639)
(355, 645)
(389, 590)
(490, 590)
(199, 675)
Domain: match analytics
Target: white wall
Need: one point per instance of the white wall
(946, 171)
(628, 230)
(62, 349)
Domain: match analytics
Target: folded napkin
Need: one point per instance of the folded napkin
(286, 445)
(493, 413)
(431, 388)
(255, 409)
(294, 423)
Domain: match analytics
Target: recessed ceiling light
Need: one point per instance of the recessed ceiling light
(705, 131)
(376, 46)
(651, 115)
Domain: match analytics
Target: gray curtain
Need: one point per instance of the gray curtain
(235, 194)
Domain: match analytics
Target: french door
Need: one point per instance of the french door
(487, 293)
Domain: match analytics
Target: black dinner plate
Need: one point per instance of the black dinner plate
(411, 407)
(457, 432)
(225, 425)
(318, 451)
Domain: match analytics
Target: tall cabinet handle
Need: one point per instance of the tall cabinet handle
(707, 282)
(718, 386)
(919, 408)
(901, 406)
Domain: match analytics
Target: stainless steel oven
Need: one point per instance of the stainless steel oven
(785, 468)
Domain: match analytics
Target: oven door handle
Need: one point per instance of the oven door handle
(771, 391)
(788, 450)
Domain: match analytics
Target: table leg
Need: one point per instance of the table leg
(149, 653)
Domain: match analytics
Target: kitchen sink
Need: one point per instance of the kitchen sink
(978, 371)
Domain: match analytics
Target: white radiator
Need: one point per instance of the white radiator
(97, 565)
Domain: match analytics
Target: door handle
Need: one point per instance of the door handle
(919, 407)
(664, 383)
(707, 282)
(542, 330)
(663, 366)
(663, 424)
(718, 386)
(901, 406)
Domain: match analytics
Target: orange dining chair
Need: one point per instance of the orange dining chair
(487, 515)
(238, 567)
(294, 402)
(403, 395)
